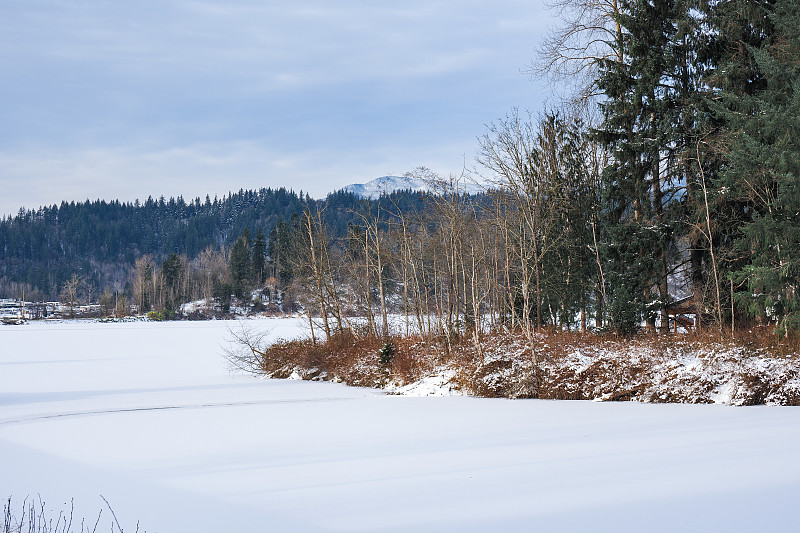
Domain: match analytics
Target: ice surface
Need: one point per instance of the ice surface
(149, 416)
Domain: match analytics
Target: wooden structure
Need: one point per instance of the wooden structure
(682, 313)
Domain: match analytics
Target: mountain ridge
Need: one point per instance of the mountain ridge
(374, 189)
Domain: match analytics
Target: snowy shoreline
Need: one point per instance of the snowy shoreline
(673, 369)
(670, 369)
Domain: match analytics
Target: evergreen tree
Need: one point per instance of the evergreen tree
(282, 243)
(576, 258)
(259, 254)
(650, 101)
(629, 134)
(736, 29)
(240, 265)
(172, 274)
(763, 166)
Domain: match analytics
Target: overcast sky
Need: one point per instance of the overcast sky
(109, 99)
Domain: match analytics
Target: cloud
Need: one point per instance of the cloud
(41, 179)
(128, 99)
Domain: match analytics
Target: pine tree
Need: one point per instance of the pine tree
(763, 166)
(632, 194)
(581, 186)
(171, 274)
(650, 111)
(281, 250)
(240, 265)
(259, 254)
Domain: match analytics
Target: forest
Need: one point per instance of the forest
(667, 173)
(99, 242)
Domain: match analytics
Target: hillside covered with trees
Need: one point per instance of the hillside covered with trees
(97, 247)
(670, 174)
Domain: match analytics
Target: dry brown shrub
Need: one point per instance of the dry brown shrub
(763, 339)
(279, 359)
(352, 359)
(414, 357)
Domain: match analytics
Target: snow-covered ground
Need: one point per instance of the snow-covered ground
(149, 416)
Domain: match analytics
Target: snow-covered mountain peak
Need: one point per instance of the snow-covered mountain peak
(386, 184)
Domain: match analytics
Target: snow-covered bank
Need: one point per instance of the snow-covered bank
(672, 369)
(663, 369)
(149, 416)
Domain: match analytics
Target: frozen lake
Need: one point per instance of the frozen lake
(149, 416)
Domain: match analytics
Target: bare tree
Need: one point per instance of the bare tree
(122, 308)
(247, 348)
(359, 270)
(211, 267)
(543, 214)
(376, 254)
(143, 274)
(313, 226)
(70, 293)
(107, 301)
(571, 54)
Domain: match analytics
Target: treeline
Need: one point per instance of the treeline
(696, 110)
(100, 242)
(520, 256)
(672, 174)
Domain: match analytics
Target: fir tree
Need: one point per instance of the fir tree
(650, 124)
(171, 274)
(763, 167)
(259, 254)
(240, 265)
(633, 115)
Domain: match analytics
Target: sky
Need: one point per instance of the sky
(101, 99)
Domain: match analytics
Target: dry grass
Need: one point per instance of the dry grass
(33, 516)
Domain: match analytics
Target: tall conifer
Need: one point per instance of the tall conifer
(240, 264)
(762, 176)
(639, 129)
(259, 254)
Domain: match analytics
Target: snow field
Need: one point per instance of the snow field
(149, 416)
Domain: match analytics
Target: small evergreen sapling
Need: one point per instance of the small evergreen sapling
(387, 355)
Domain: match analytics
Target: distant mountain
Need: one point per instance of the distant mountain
(386, 184)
